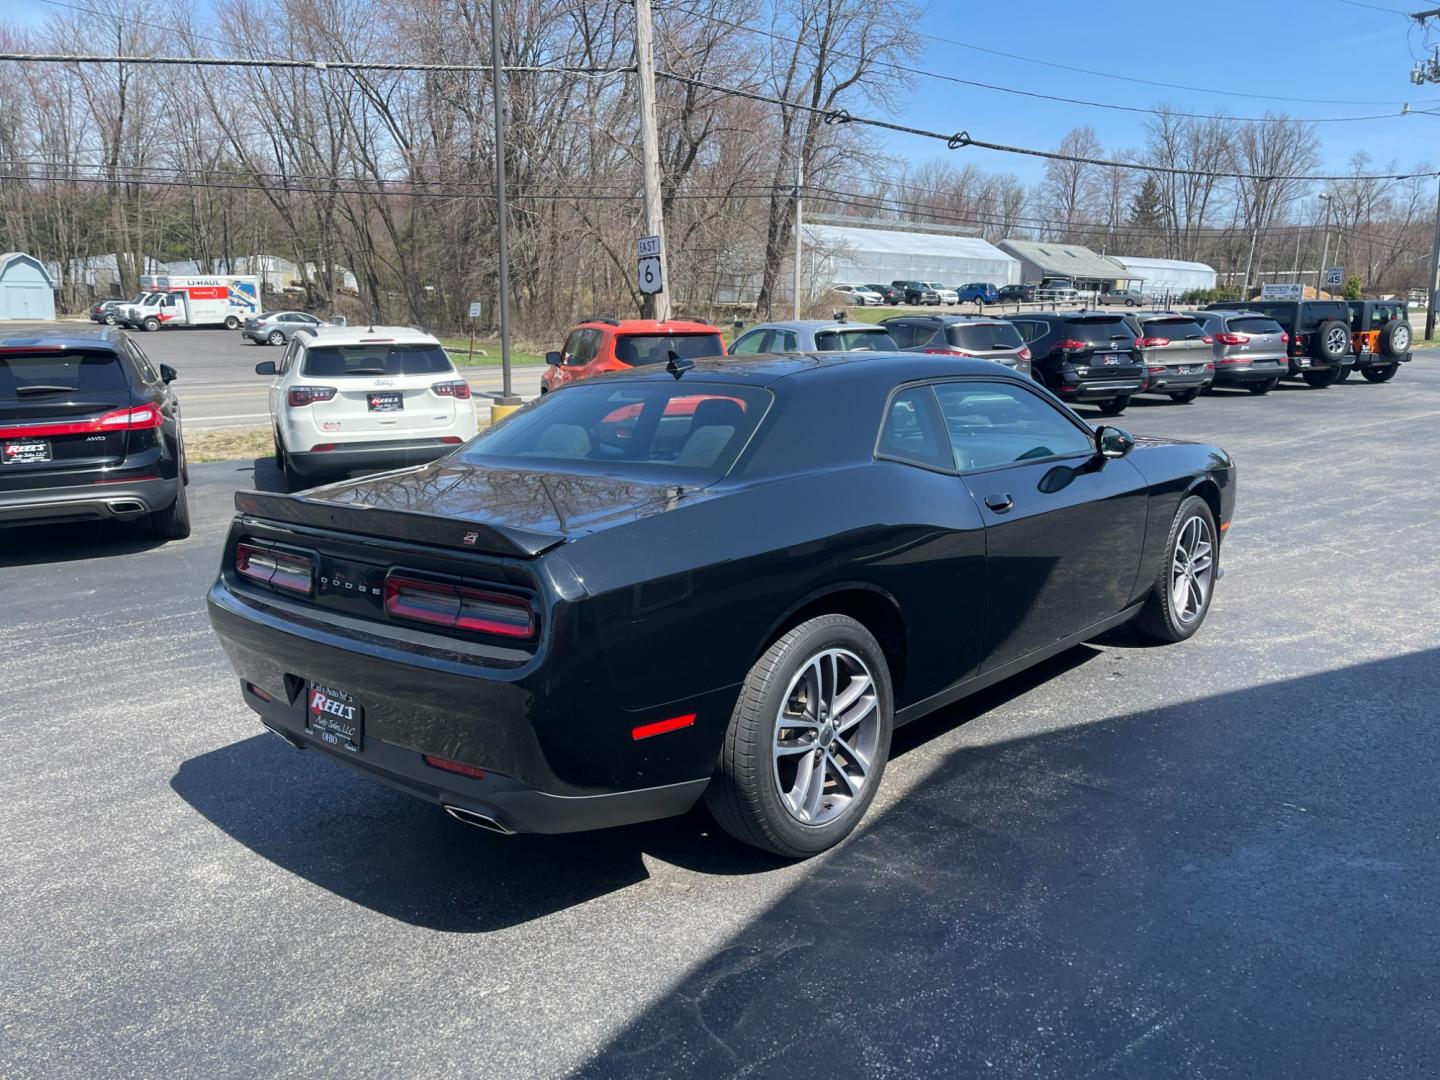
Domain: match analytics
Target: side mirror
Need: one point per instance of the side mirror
(1113, 442)
(553, 357)
(168, 374)
(266, 367)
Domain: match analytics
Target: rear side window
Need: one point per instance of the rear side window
(912, 431)
(1255, 324)
(859, 340)
(982, 336)
(27, 375)
(1099, 331)
(639, 349)
(342, 361)
(649, 429)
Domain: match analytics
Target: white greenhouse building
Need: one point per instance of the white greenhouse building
(1156, 277)
(847, 254)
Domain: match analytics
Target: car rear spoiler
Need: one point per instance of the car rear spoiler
(457, 533)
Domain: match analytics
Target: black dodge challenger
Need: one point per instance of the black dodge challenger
(727, 580)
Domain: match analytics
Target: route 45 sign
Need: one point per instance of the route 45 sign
(652, 274)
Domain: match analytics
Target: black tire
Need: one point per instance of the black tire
(744, 795)
(232, 323)
(1159, 619)
(275, 337)
(294, 481)
(1184, 397)
(1344, 374)
(1262, 387)
(151, 324)
(173, 523)
(1332, 341)
(1319, 380)
(1395, 338)
(1380, 374)
(1115, 406)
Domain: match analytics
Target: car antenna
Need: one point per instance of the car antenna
(678, 364)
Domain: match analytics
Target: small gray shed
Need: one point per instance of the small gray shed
(25, 288)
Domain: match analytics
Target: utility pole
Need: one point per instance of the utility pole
(1324, 197)
(652, 305)
(507, 401)
(1431, 291)
(799, 241)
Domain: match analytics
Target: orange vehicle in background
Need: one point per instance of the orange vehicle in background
(603, 344)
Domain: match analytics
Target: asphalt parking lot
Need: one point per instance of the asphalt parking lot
(1215, 859)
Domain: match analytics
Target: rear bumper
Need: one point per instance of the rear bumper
(1363, 360)
(1250, 371)
(1169, 382)
(88, 502)
(1101, 389)
(548, 766)
(370, 455)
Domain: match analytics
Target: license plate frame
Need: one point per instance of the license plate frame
(334, 717)
(385, 401)
(1109, 359)
(26, 452)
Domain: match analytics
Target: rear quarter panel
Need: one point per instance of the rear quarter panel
(1174, 471)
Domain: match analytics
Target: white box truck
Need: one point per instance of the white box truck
(194, 300)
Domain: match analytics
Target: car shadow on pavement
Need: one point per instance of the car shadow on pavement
(38, 545)
(403, 857)
(1239, 884)
(267, 476)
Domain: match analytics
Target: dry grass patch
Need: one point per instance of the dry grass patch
(229, 444)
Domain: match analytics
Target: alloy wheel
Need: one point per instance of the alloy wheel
(1336, 341)
(1192, 570)
(826, 735)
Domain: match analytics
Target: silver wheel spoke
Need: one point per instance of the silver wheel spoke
(855, 715)
(851, 784)
(854, 757)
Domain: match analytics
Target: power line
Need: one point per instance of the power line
(961, 139)
(315, 65)
(1035, 94)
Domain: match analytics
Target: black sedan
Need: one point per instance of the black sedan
(725, 580)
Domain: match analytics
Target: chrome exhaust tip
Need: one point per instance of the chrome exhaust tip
(125, 507)
(479, 820)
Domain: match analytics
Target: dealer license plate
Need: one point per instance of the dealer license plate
(1107, 359)
(25, 452)
(387, 401)
(335, 718)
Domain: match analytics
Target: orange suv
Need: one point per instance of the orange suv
(603, 344)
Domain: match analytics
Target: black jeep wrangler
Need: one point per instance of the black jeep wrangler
(1319, 332)
(1380, 336)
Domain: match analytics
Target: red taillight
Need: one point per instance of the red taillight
(459, 607)
(136, 419)
(322, 448)
(456, 389)
(1156, 370)
(1151, 342)
(261, 694)
(1071, 345)
(454, 766)
(282, 569)
(1208, 340)
(660, 727)
(452, 440)
(304, 395)
(1024, 353)
(946, 350)
(1284, 337)
(1233, 339)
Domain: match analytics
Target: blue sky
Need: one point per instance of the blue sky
(1267, 47)
(1260, 47)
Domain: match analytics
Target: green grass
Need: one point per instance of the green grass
(460, 346)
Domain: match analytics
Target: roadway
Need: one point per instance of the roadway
(218, 386)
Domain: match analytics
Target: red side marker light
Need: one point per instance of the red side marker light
(661, 727)
(458, 767)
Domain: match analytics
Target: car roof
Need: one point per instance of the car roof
(651, 326)
(813, 324)
(1162, 314)
(886, 368)
(365, 335)
(68, 335)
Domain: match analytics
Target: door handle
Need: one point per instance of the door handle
(999, 501)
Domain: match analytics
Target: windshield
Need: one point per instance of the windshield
(656, 428)
(639, 349)
(982, 336)
(27, 376)
(341, 361)
(859, 339)
(1099, 331)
